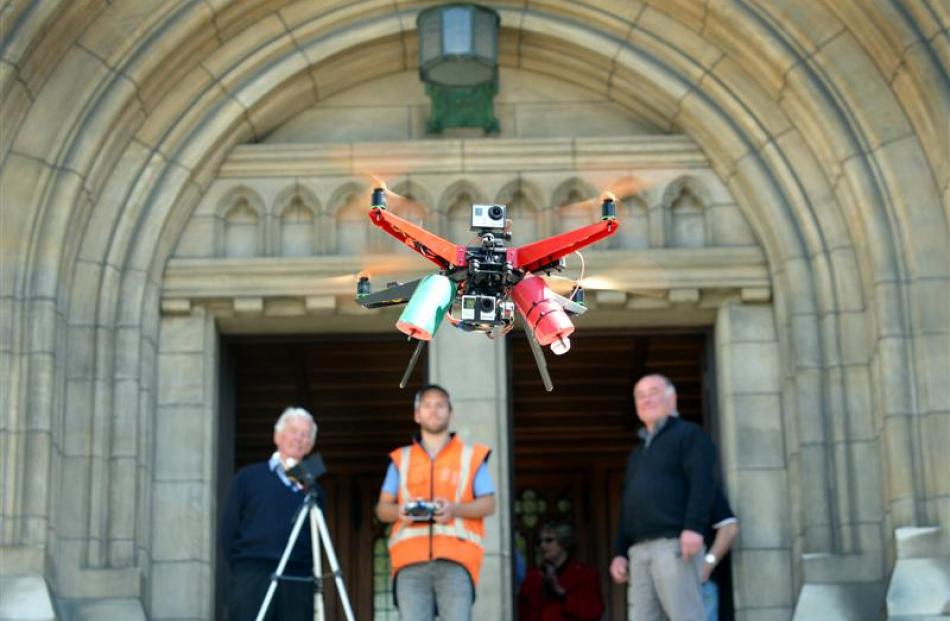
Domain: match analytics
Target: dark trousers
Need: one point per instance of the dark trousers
(293, 600)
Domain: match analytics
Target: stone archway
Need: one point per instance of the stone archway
(111, 141)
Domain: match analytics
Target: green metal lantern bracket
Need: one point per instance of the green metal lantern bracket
(463, 106)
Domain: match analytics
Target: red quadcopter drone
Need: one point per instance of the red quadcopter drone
(487, 281)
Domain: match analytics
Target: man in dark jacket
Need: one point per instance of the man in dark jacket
(667, 495)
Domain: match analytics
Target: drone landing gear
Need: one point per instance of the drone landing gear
(412, 363)
(539, 359)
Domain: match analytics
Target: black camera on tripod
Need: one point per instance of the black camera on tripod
(307, 471)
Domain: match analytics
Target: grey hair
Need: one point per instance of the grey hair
(293, 412)
(670, 388)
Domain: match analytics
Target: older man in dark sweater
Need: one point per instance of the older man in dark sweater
(256, 525)
(667, 495)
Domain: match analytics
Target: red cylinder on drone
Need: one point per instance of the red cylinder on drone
(542, 313)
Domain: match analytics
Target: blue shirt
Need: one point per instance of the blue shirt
(482, 486)
(277, 467)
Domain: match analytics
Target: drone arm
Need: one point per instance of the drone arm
(391, 296)
(440, 251)
(546, 251)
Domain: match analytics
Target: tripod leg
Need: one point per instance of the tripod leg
(283, 563)
(319, 614)
(334, 566)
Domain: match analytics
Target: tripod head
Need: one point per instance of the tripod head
(307, 472)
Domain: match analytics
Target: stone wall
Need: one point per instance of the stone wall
(824, 120)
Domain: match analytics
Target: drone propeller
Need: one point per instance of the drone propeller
(343, 276)
(405, 206)
(617, 279)
(622, 188)
(561, 285)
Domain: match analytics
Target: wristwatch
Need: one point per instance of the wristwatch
(710, 559)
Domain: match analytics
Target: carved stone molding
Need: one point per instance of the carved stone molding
(297, 286)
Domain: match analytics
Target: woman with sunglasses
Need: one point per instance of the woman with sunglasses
(561, 588)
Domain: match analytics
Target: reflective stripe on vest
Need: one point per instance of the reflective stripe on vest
(459, 525)
(404, 473)
(447, 530)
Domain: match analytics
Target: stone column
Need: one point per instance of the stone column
(181, 576)
(474, 370)
(751, 448)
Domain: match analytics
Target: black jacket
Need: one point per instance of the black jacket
(668, 487)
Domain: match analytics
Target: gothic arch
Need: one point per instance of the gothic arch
(573, 205)
(634, 215)
(295, 230)
(525, 209)
(348, 235)
(420, 209)
(683, 209)
(241, 224)
(453, 207)
(111, 142)
(571, 190)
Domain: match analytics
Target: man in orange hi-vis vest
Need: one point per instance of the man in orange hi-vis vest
(437, 493)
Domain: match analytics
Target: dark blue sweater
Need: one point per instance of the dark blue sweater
(668, 486)
(258, 519)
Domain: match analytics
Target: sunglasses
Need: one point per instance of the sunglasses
(547, 539)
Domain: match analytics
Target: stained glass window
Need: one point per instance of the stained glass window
(383, 607)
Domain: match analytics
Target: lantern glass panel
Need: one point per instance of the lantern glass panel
(486, 35)
(457, 30)
(430, 36)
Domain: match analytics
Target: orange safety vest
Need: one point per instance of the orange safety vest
(451, 476)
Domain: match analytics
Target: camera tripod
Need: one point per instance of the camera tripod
(318, 526)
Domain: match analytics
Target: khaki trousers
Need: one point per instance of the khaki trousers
(662, 585)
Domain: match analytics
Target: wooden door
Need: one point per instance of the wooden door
(356, 535)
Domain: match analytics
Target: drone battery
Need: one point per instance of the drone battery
(542, 314)
(426, 308)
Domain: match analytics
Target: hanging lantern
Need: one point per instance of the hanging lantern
(458, 61)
